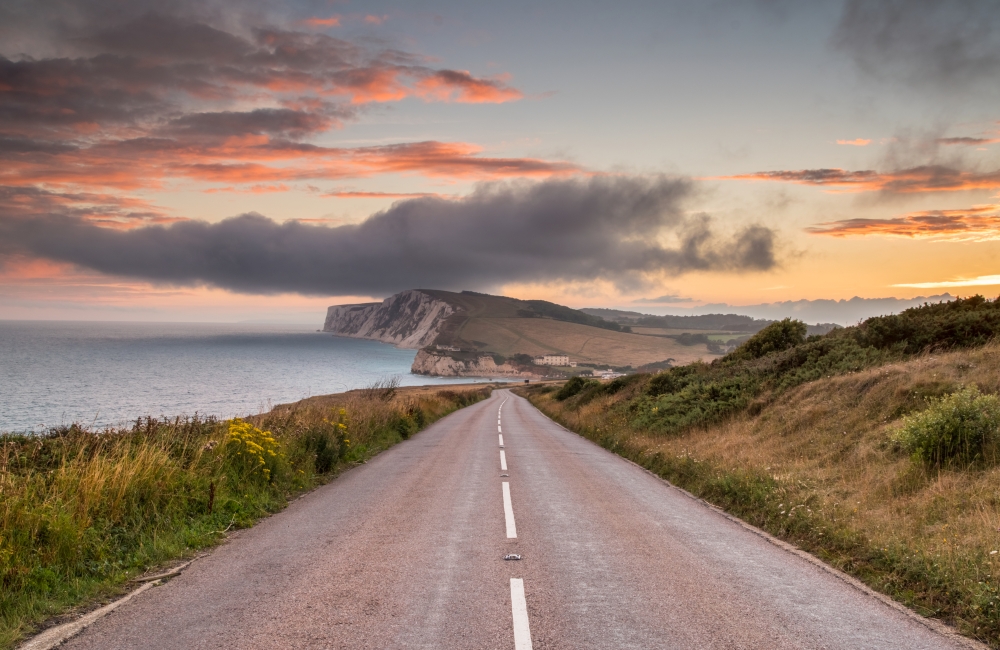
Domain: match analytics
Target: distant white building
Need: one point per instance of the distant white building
(448, 348)
(609, 374)
(552, 360)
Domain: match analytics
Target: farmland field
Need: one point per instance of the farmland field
(585, 344)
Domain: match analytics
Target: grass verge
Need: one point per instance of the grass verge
(82, 512)
(819, 465)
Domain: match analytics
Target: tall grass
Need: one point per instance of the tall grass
(821, 465)
(83, 511)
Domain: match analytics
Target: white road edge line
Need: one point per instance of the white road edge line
(503, 460)
(508, 512)
(499, 429)
(56, 636)
(519, 610)
(501, 441)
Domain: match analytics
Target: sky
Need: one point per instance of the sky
(261, 160)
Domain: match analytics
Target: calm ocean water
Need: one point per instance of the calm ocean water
(54, 373)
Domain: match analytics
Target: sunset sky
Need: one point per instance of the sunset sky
(258, 160)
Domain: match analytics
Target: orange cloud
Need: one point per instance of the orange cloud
(106, 210)
(261, 163)
(253, 189)
(977, 224)
(332, 21)
(926, 178)
(375, 20)
(19, 268)
(462, 87)
(381, 195)
(857, 142)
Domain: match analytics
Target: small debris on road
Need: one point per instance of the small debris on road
(505, 475)
(511, 556)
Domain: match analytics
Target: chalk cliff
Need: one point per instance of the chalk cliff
(428, 363)
(410, 319)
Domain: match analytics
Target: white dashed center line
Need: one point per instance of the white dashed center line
(518, 605)
(519, 609)
(508, 512)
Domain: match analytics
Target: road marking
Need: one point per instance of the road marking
(508, 512)
(498, 428)
(503, 460)
(519, 610)
(501, 440)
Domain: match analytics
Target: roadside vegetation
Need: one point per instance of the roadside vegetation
(875, 447)
(82, 512)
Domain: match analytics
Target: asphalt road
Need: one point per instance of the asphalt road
(408, 551)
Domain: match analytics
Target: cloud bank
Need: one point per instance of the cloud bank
(623, 229)
(976, 224)
(138, 96)
(946, 45)
(924, 178)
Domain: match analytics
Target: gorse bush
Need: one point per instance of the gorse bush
(954, 428)
(776, 337)
(780, 357)
(574, 386)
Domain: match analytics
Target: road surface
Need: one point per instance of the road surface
(408, 551)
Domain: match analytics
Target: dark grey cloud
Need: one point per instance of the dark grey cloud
(283, 122)
(928, 43)
(583, 229)
(162, 35)
(972, 142)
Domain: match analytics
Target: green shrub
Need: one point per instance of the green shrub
(573, 387)
(774, 338)
(954, 428)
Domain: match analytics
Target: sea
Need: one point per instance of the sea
(99, 374)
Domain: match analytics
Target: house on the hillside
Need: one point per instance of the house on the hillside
(552, 360)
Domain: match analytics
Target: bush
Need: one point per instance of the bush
(954, 428)
(573, 387)
(774, 338)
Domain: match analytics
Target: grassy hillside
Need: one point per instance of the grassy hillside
(811, 440)
(508, 326)
(535, 336)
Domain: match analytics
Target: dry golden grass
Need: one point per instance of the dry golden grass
(833, 435)
(537, 336)
(928, 536)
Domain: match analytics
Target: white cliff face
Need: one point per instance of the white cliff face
(427, 363)
(410, 319)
